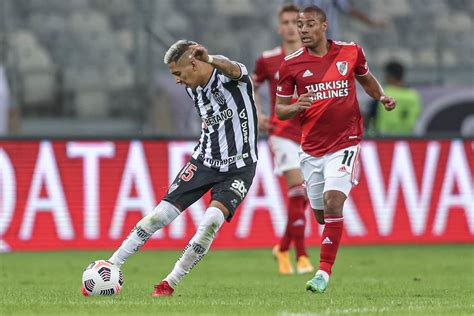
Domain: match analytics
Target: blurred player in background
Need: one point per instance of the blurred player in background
(284, 139)
(323, 73)
(223, 162)
(403, 120)
(333, 8)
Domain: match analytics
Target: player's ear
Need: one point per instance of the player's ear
(325, 26)
(194, 64)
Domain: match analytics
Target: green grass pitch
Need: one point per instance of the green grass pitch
(368, 280)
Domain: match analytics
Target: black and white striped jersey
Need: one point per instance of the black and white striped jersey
(229, 134)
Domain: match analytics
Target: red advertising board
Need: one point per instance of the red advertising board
(73, 194)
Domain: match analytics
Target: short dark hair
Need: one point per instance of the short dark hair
(290, 7)
(395, 70)
(174, 53)
(315, 9)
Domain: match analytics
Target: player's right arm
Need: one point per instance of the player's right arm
(286, 110)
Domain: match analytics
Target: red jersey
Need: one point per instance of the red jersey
(333, 121)
(266, 68)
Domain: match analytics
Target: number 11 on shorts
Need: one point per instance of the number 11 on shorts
(348, 154)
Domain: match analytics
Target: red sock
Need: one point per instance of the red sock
(296, 218)
(285, 240)
(296, 205)
(330, 240)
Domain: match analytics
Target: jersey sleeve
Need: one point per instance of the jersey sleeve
(286, 83)
(259, 75)
(361, 67)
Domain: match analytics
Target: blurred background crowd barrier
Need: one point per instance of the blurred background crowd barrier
(76, 194)
(94, 67)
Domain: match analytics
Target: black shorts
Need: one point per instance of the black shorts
(195, 180)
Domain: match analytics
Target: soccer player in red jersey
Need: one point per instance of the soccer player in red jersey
(284, 139)
(323, 73)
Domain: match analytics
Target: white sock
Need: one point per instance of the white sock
(198, 246)
(163, 214)
(324, 274)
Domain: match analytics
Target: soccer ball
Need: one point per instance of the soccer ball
(101, 278)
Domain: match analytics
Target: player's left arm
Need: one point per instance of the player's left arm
(228, 68)
(373, 88)
(370, 84)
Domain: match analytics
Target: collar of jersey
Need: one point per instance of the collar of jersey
(331, 47)
(208, 81)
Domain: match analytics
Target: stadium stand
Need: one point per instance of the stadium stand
(90, 60)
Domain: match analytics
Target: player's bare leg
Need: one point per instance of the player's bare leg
(196, 249)
(332, 233)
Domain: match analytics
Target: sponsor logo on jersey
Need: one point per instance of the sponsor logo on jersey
(219, 117)
(244, 126)
(328, 90)
(307, 73)
(342, 67)
(223, 162)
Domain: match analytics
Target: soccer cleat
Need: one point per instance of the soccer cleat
(283, 258)
(304, 265)
(162, 289)
(316, 284)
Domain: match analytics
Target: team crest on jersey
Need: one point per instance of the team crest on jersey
(342, 67)
(218, 96)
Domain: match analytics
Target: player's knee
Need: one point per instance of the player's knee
(319, 214)
(333, 203)
(163, 214)
(210, 224)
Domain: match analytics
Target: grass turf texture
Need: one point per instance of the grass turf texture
(369, 280)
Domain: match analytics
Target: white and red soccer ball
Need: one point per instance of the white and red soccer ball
(101, 278)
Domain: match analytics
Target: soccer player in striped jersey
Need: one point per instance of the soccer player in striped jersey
(284, 140)
(323, 73)
(223, 162)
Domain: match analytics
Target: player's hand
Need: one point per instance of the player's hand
(389, 103)
(263, 122)
(198, 52)
(304, 102)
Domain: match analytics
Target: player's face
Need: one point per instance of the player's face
(310, 29)
(184, 73)
(287, 27)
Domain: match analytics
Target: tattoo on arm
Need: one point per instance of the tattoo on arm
(227, 67)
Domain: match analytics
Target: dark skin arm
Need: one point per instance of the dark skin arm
(285, 110)
(373, 88)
